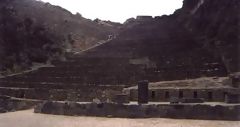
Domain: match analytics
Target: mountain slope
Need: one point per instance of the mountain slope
(215, 24)
(33, 31)
(84, 31)
(200, 39)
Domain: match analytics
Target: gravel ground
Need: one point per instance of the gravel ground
(28, 119)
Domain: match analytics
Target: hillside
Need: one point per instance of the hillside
(215, 25)
(84, 31)
(200, 39)
(42, 27)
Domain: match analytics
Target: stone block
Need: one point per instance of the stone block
(143, 92)
(235, 79)
(174, 100)
(3, 97)
(232, 98)
(121, 98)
(192, 100)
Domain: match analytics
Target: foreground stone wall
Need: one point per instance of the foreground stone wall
(179, 111)
(10, 105)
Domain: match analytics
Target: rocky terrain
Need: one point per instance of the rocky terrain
(215, 25)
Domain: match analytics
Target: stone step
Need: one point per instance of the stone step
(95, 59)
(88, 65)
(17, 85)
(83, 73)
(74, 68)
(93, 79)
(110, 76)
(123, 67)
(78, 74)
(59, 72)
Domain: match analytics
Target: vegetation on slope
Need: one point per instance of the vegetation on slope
(34, 31)
(23, 41)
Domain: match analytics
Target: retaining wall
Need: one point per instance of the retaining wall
(87, 93)
(11, 105)
(179, 111)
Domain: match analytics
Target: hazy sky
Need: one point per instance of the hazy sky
(118, 10)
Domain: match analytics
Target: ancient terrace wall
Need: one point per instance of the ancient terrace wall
(83, 93)
(165, 61)
(208, 89)
(77, 79)
(83, 78)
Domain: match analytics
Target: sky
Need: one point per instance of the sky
(118, 10)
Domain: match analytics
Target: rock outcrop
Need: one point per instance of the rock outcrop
(215, 25)
(200, 39)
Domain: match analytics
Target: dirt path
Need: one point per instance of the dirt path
(29, 119)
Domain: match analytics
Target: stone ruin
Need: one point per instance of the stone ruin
(108, 75)
(181, 107)
(96, 88)
(187, 91)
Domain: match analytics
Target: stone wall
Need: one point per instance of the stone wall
(162, 95)
(85, 94)
(10, 105)
(179, 111)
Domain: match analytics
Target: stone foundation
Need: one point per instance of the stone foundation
(164, 95)
(178, 111)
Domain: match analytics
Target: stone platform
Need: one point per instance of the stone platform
(205, 111)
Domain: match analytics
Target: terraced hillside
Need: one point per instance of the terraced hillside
(154, 49)
(84, 76)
